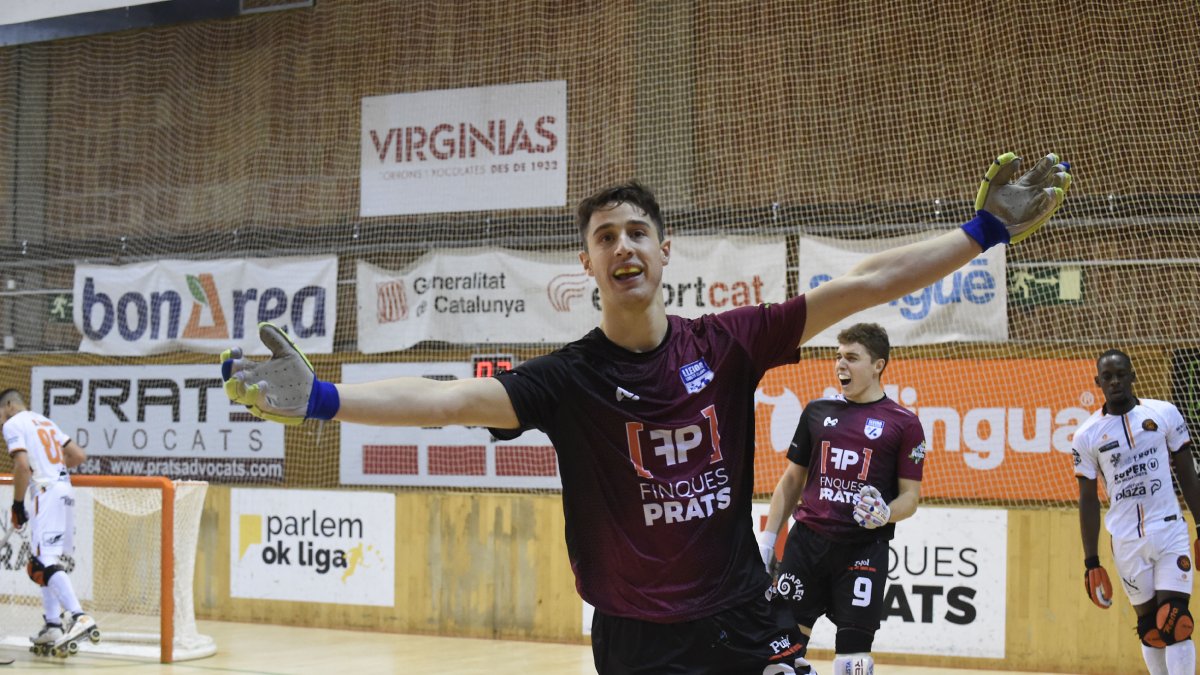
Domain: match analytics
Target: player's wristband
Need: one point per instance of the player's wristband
(323, 402)
(1091, 562)
(987, 230)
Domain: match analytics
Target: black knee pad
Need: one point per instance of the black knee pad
(1173, 621)
(1147, 629)
(40, 573)
(854, 640)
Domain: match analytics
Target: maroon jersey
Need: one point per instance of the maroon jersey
(845, 445)
(656, 454)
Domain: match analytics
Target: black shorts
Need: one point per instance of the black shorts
(742, 640)
(845, 582)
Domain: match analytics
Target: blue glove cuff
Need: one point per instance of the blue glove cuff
(987, 230)
(323, 402)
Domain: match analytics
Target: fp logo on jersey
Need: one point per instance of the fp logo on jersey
(874, 428)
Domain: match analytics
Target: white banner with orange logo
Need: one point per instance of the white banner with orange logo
(485, 148)
(970, 305)
(487, 296)
(996, 429)
(204, 305)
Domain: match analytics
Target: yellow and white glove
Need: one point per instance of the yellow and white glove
(1008, 211)
(282, 389)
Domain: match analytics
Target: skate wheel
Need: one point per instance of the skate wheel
(58, 652)
(72, 648)
(94, 636)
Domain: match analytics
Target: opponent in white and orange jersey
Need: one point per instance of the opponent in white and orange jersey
(41, 455)
(1133, 443)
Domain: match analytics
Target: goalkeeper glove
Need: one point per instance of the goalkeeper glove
(1006, 211)
(282, 389)
(1096, 583)
(870, 509)
(19, 517)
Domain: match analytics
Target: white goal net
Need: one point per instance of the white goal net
(117, 570)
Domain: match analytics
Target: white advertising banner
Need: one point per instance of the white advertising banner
(947, 580)
(171, 420)
(453, 456)
(479, 149)
(707, 275)
(204, 305)
(313, 546)
(478, 296)
(474, 296)
(16, 552)
(970, 305)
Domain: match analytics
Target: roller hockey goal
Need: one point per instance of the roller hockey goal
(135, 553)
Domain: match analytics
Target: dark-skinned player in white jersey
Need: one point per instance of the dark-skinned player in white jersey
(854, 468)
(652, 419)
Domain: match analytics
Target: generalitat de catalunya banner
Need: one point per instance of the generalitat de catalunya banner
(970, 305)
(996, 429)
(481, 296)
(204, 305)
(478, 149)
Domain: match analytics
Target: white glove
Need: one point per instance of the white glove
(870, 510)
(1025, 205)
(766, 548)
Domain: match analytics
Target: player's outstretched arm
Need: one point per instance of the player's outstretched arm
(1007, 211)
(285, 389)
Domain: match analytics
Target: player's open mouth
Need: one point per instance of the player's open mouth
(627, 271)
(844, 380)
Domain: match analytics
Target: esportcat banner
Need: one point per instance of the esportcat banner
(482, 296)
(969, 305)
(171, 420)
(1009, 440)
(478, 149)
(204, 305)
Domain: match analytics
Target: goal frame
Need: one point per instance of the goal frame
(167, 547)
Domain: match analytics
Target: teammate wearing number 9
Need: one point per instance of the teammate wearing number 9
(855, 468)
(42, 493)
(652, 419)
(1133, 443)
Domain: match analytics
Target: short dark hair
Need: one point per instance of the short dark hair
(11, 395)
(870, 335)
(1115, 352)
(632, 192)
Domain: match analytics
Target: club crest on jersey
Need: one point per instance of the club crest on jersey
(1149, 425)
(874, 428)
(696, 376)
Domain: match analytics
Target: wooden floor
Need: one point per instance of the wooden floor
(255, 648)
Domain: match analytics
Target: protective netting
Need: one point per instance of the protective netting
(807, 128)
(116, 572)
